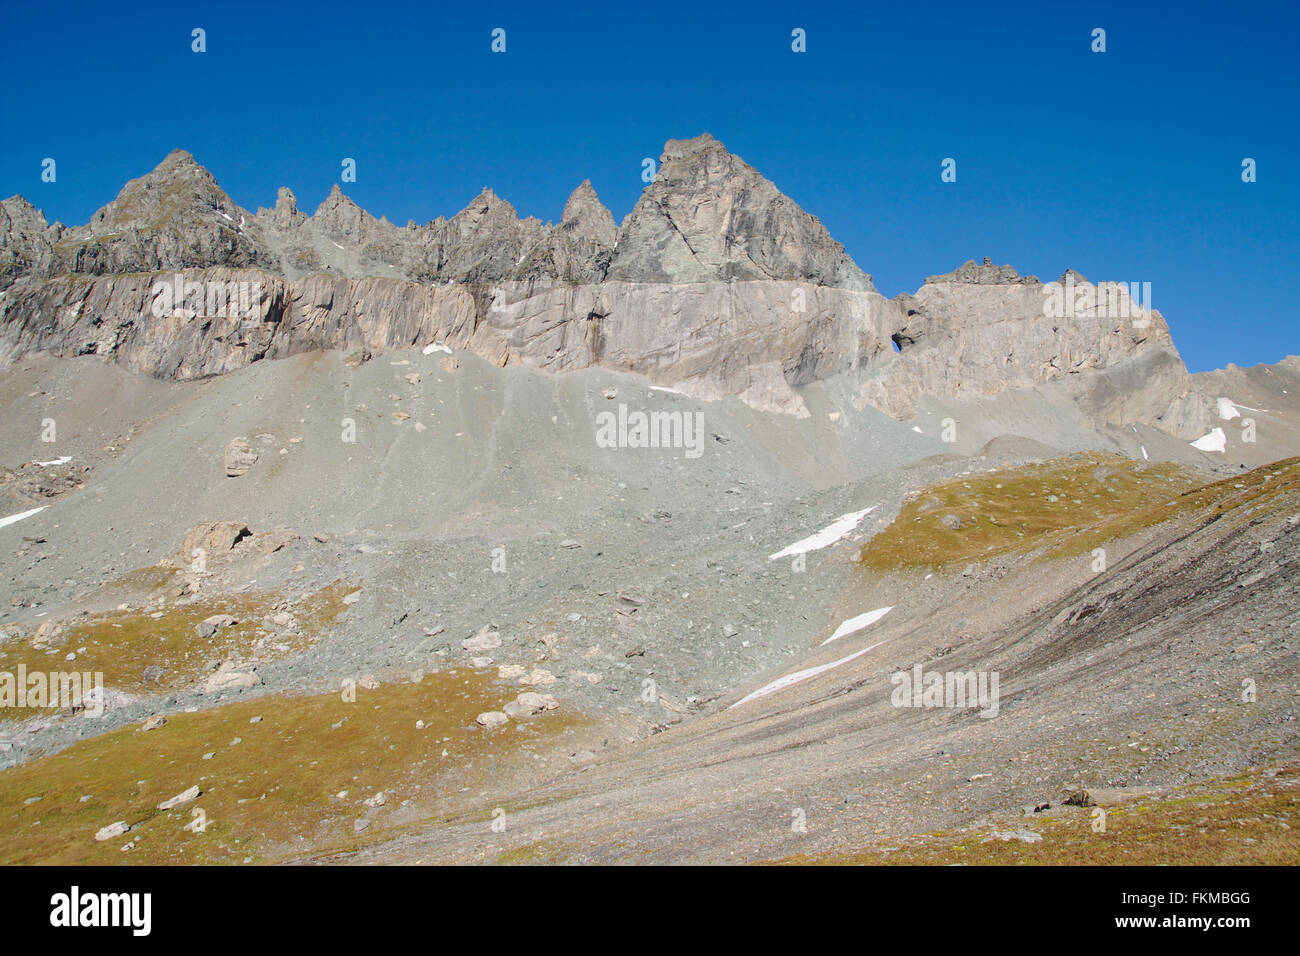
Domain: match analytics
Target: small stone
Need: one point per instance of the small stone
(492, 719)
(154, 722)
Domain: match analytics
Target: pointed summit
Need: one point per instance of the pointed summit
(342, 221)
(25, 240)
(176, 189)
(709, 215)
(175, 216)
(585, 215)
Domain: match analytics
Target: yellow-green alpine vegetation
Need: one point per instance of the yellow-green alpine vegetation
(1059, 508)
(278, 776)
(1250, 819)
(123, 644)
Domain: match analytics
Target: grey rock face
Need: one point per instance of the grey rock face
(176, 217)
(982, 329)
(715, 283)
(708, 215)
(26, 241)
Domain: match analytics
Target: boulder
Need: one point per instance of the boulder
(486, 639)
(240, 457)
(183, 797)
(229, 677)
(112, 830)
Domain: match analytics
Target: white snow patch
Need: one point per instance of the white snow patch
(1214, 441)
(790, 679)
(335, 244)
(855, 624)
(1227, 410)
(58, 461)
(663, 388)
(917, 429)
(12, 519)
(435, 347)
(1145, 456)
(827, 536)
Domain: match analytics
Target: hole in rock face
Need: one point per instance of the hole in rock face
(901, 341)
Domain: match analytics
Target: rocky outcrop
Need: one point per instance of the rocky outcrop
(26, 241)
(715, 283)
(176, 217)
(710, 216)
(982, 329)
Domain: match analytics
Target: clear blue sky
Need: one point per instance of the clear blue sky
(1124, 165)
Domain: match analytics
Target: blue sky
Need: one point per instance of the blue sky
(1124, 165)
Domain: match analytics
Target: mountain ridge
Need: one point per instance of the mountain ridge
(715, 283)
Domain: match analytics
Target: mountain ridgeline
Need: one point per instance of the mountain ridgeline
(715, 283)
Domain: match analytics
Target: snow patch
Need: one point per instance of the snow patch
(790, 679)
(12, 519)
(1145, 456)
(1214, 441)
(855, 624)
(824, 538)
(58, 461)
(1227, 409)
(435, 347)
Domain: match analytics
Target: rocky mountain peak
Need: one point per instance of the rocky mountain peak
(708, 215)
(486, 205)
(585, 215)
(25, 239)
(286, 213)
(984, 274)
(176, 189)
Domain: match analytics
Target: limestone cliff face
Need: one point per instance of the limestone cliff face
(982, 329)
(715, 283)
